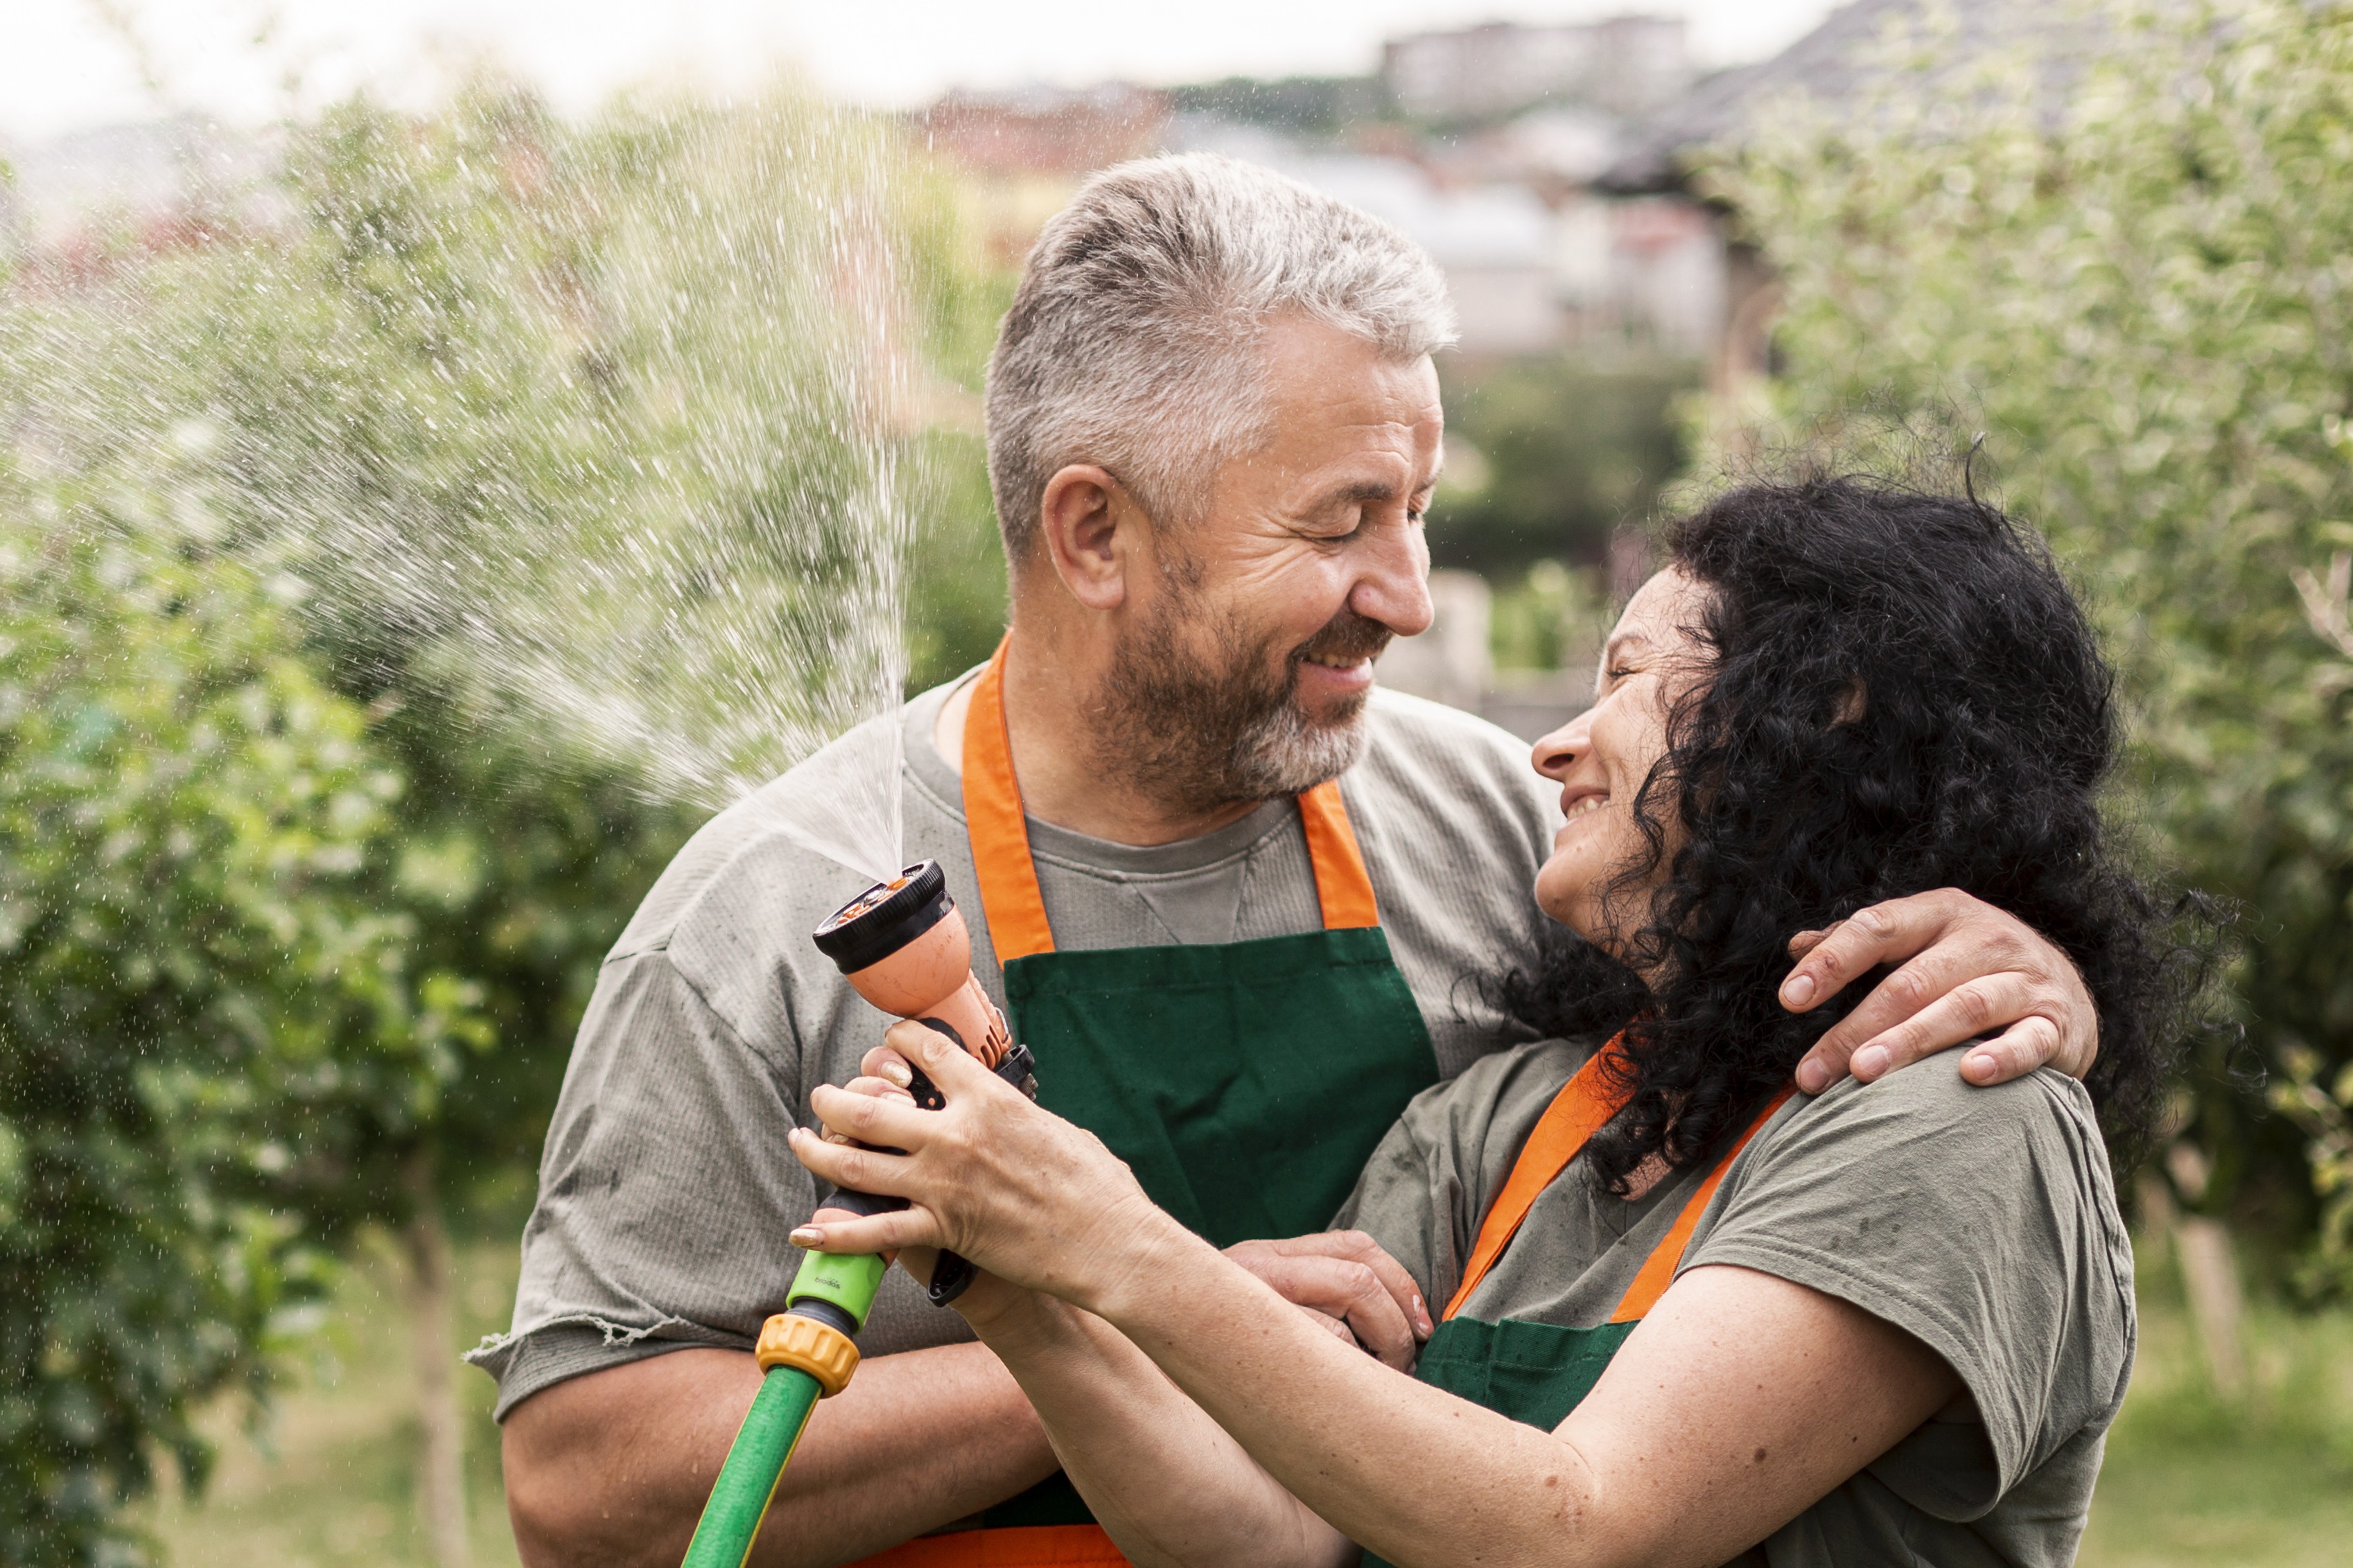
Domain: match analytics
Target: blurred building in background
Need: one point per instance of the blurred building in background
(1488, 146)
(1545, 168)
(142, 179)
(1629, 66)
(1021, 154)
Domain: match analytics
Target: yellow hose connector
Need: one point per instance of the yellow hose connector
(825, 1353)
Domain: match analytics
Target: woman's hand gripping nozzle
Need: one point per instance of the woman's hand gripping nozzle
(902, 946)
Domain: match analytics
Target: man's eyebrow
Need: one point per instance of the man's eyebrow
(1363, 490)
(1370, 491)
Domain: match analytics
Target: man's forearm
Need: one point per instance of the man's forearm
(612, 1468)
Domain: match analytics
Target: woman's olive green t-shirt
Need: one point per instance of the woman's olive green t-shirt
(1981, 1221)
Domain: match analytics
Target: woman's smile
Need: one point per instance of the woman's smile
(1609, 750)
(1576, 802)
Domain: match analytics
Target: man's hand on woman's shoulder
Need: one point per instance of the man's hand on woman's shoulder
(1962, 970)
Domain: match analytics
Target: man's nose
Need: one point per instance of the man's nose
(1394, 588)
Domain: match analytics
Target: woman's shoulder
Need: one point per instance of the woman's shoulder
(1931, 1099)
(1890, 1164)
(1983, 1221)
(1943, 1141)
(1493, 1102)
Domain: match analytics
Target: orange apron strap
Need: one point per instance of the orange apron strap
(1575, 1114)
(1000, 839)
(992, 815)
(1658, 1270)
(1023, 1546)
(1343, 886)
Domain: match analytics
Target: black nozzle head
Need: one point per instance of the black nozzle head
(885, 918)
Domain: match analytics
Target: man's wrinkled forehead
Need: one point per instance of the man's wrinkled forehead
(1345, 421)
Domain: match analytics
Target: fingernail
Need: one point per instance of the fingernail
(897, 1073)
(1812, 1077)
(807, 1236)
(1421, 1316)
(1797, 990)
(1871, 1061)
(1982, 1066)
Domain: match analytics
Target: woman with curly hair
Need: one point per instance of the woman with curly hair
(1689, 1315)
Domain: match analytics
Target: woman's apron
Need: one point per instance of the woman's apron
(1538, 1373)
(1246, 1083)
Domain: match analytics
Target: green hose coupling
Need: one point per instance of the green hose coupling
(846, 1282)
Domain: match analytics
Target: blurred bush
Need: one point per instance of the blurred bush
(1546, 459)
(2128, 267)
(378, 581)
(201, 986)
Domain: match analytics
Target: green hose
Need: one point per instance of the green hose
(755, 1463)
(838, 1290)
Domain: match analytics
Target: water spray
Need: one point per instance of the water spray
(902, 945)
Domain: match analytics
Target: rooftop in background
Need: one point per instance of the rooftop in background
(1047, 129)
(1628, 66)
(1835, 64)
(142, 176)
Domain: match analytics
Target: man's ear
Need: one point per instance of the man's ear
(1090, 528)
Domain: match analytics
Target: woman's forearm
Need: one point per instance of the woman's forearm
(1410, 1472)
(1170, 1486)
(1739, 1400)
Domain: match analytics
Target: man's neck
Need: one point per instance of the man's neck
(1065, 774)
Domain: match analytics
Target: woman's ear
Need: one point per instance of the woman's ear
(1853, 703)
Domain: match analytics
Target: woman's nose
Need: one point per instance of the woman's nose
(1555, 753)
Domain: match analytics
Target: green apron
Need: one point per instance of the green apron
(1538, 1373)
(1246, 1083)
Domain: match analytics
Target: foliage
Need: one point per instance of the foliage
(1556, 617)
(2133, 266)
(2324, 1113)
(423, 544)
(196, 979)
(1547, 458)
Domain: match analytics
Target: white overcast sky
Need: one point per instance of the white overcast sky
(63, 67)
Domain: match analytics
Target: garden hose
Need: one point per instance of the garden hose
(807, 1353)
(904, 947)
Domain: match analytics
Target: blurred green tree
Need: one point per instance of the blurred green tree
(199, 985)
(586, 470)
(2127, 266)
(1546, 459)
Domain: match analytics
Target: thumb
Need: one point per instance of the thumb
(944, 1062)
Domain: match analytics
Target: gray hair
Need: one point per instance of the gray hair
(1133, 339)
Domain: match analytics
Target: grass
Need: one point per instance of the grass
(2189, 1479)
(330, 1485)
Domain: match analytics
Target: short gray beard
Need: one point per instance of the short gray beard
(1194, 737)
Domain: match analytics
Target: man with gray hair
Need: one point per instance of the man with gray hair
(1235, 900)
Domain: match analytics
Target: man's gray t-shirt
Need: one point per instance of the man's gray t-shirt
(665, 1188)
(1981, 1221)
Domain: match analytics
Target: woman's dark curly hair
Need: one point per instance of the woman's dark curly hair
(1903, 695)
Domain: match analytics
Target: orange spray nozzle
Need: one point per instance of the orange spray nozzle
(904, 946)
